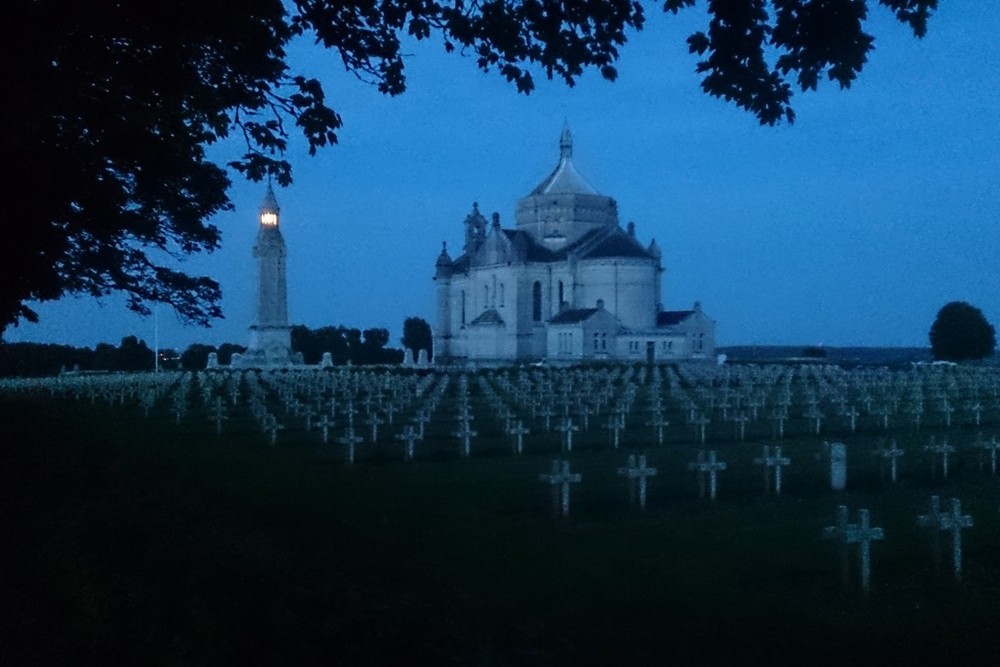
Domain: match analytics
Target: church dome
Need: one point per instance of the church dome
(565, 179)
(564, 206)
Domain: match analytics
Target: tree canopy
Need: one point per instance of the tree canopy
(417, 336)
(961, 332)
(115, 102)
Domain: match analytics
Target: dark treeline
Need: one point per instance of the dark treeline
(36, 359)
(133, 354)
(345, 345)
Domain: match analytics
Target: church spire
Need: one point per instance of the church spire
(565, 142)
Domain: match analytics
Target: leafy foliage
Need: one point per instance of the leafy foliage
(417, 335)
(39, 359)
(961, 332)
(115, 106)
(345, 345)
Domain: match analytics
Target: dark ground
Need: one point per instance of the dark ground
(131, 540)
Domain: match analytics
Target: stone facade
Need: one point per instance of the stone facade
(567, 284)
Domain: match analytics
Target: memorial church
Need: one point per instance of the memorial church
(567, 284)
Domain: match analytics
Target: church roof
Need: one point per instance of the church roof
(573, 315)
(489, 317)
(618, 245)
(565, 179)
(668, 318)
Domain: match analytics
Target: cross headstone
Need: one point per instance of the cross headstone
(840, 532)
(349, 440)
(567, 428)
(954, 521)
(324, 425)
(944, 449)
(410, 436)
(891, 454)
(701, 422)
(466, 434)
(518, 430)
(776, 461)
(709, 468)
(740, 421)
(992, 446)
(659, 423)
(852, 414)
(616, 424)
(373, 422)
(219, 415)
(862, 534)
(636, 471)
(560, 479)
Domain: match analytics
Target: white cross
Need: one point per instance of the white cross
(776, 461)
(374, 421)
(560, 478)
(853, 415)
(840, 532)
(615, 426)
(707, 468)
(410, 435)
(953, 521)
(324, 425)
(659, 423)
(637, 473)
(466, 434)
(701, 422)
(992, 446)
(944, 449)
(349, 439)
(892, 453)
(219, 415)
(567, 427)
(863, 536)
(817, 417)
(518, 431)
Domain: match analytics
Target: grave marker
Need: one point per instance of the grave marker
(560, 479)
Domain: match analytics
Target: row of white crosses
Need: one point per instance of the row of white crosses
(570, 400)
(863, 534)
(560, 478)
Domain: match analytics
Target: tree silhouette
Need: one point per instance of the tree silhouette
(114, 101)
(961, 332)
(417, 336)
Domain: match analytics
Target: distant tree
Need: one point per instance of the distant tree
(226, 351)
(961, 332)
(417, 336)
(814, 352)
(38, 359)
(116, 104)
(133, 355)
(195, 357)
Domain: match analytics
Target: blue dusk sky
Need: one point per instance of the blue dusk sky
(852, 226)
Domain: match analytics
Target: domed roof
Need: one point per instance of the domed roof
(565, 179)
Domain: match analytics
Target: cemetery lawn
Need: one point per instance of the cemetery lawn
(135, 541)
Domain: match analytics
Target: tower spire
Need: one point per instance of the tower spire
(565, 142)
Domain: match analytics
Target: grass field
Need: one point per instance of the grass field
(131, 539)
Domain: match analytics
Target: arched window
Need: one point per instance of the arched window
(536, 301)
(463, 306)
(486, 297)
(501, 295)
(561, 297)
